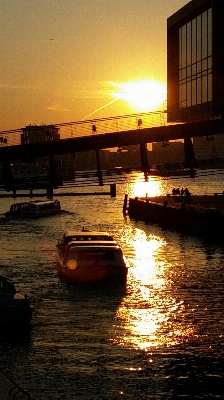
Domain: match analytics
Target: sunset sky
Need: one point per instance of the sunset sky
(68, 60)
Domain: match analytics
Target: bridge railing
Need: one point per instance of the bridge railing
(112, 124)
(90, 127)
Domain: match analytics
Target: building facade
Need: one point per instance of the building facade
(42, 133)
(195, 62)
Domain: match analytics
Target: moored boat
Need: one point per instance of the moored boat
(33, 209)
(89, 257)
(15, 308)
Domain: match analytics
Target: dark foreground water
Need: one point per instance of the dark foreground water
(161, 336)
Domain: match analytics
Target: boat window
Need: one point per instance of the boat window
(95, 255)
(86, 238)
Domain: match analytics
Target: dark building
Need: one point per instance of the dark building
(195, 62)
(42, 133)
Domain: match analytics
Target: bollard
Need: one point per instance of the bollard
(113, 190)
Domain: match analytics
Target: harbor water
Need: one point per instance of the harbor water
(160, 336)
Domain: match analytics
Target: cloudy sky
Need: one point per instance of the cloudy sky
(65, 60)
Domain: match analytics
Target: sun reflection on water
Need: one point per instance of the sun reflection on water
(151, 187)
(150, 315)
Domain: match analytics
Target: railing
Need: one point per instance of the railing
(76, 129)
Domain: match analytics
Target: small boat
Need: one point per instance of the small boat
(15, 308)
(89, 257)
(33, 209)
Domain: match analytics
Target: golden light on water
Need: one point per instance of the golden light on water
(144, 95)
(153, 187)
(150, 315)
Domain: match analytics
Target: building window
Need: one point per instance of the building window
(195, 61)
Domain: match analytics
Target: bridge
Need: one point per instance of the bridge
(135, 129)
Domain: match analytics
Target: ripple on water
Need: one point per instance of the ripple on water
(159, 337)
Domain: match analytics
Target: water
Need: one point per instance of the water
(158, 337)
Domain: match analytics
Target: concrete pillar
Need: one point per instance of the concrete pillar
(144, 158)
(53, 176)
(99, 171)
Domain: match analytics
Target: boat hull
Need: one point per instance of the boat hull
(15, 316)
(15, 310)
(92, 274)
(14, 307)
(90, 257)
(34, 215)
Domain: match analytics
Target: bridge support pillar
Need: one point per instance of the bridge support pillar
(7, 176)
(144, 158)
(190, 159)
(50, 191)
(53, 176)
(99, 171)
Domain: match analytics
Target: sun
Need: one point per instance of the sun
(144, 95)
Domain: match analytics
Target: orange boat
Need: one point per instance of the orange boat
(89, 257)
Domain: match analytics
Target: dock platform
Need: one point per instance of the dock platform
(202, 216)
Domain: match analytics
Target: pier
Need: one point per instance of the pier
(203, 216)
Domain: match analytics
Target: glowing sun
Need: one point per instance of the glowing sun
(145, 95)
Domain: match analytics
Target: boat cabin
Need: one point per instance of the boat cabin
(35, 208)
(78, 255)
(86, 236)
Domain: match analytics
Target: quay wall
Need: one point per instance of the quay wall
(203, 222)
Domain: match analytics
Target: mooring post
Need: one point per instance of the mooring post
(113, 190)
(125, 204)
(99, 171)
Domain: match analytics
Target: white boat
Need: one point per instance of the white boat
(33, 209)
(89, 257)
(15, 308)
